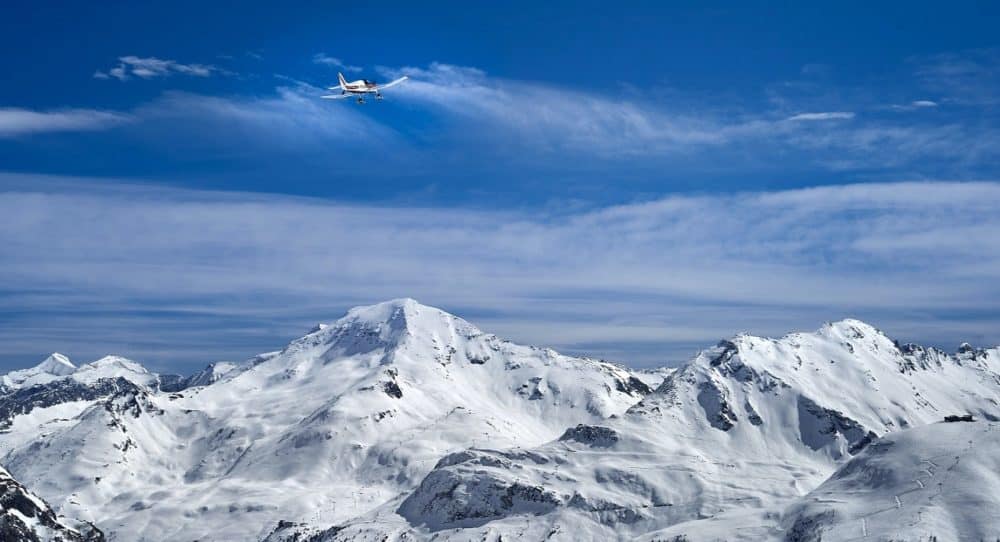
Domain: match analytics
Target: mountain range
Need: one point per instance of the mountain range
(402, 422)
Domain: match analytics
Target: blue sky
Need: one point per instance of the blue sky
(632, 181)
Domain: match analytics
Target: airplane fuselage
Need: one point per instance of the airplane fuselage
(360, 87)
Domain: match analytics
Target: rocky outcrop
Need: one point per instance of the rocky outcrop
(26, 518)
(23, 401)
(591, 435)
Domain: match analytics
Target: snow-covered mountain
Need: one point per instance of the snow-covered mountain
(400, 421)
(716, 452)
(339, 422)
(52, 368)
(941, 481)
(26, 518)
(57, 368)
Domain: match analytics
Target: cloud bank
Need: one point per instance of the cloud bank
(223, 275)
(17, 121)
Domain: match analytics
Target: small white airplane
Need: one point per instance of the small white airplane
(359, 88)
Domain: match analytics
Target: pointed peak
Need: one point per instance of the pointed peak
(56, 364)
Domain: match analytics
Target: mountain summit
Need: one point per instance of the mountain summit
(340, 421)
(53, 367)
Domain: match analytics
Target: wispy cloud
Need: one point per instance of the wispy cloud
(152, 67)
(327, 60)
(969, 77)
(642, 282)
(18, 122)
(826, 115)
(293, 119)
(554, 118)
(548, 120)
(543, 126)
(914, 105)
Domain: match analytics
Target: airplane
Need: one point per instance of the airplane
(359, 88)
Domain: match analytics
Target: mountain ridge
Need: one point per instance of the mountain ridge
(418, 424)
(379, 396)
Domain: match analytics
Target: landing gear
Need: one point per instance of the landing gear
(378, 97)
(361, 100)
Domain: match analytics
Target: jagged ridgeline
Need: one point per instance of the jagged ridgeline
(400, 421)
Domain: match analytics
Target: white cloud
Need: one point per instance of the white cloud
(17, 122)
(550, 118)
(294, 118)
(914, 105)
(327, 60)
(152, 67)
(642, 282)
(547, 120)
(826, 115)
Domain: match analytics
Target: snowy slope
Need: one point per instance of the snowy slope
(941, 480)
(715, 452)
(338, 423)
(402, 421)
(58, 367)
(113, 367)
(211, 374)
(55, 391)
(26, 518)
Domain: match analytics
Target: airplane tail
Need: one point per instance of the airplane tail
(343, 82)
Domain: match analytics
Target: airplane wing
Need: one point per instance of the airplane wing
(393, 83)
(336, 96)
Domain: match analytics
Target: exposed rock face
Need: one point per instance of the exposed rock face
(209, 375)
(24, 400)
(591, 435)
(445, 499)
(819, 426)
(26, 518)
(632, 385)
(715, 402)
(290, 531)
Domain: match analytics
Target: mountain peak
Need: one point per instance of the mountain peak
(383, 326)
(56, 364)
(112, 367)
(52, 368)
(386, 311)
(114, 361)
(850, 328)
(393, 319)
